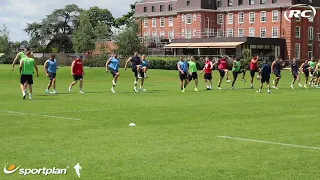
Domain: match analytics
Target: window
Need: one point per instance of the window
(310, 50)
(275, 16)
(188, 34)
(230, 2)
(275, 32)
(219, 19)
(274, 1)
(162, 21)
(182, 17)
(162, 34)
(310, 1)
(188, 3)
(310, 33)
(171, 35)
(153, 9)
(219, 32)
(252, 17)
(240, 17)
(170, 21)
(194, 16)
(297, 31)
(154, 34)
(145, 9)
(189, 18)
(212, 32)
(263, 32)
(297, 50)
(210, 2)
(194, 32)
(263, 16)
(146, 35)
(230, 18)
(145, 22)
(251, 32)
(219, 3)
(240, 32)
(263, 1)
(161, 8)
(240, 2)
(154, 22)
(251, 2)
(170, 7)
(319, 39)
(230, 33)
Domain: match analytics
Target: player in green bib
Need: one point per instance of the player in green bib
(312, 65)
(27, 66)
(193, 72)
(236, 70)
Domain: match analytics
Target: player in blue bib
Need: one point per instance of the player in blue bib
(50, 67)
(144, 65)
(113, 65)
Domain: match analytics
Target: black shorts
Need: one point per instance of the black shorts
(235, 74)
(208, 76)
(134, 70)
(295, 74)
(252, 73)
(265, 79)
(113, 72)
(77, 77)
(26, 79)
(222, 72)
(306, 73)
(193, 76)
(278, 74)
(183, 76)
(52, 76)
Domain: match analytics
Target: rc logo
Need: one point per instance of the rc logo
(292, 11)
(11, 169)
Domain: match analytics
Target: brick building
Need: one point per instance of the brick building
(213, 27)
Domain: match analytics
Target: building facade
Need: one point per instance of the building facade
(206, 21)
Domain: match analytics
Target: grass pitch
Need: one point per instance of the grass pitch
(176, 135)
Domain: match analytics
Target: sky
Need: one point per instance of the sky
(15, 14)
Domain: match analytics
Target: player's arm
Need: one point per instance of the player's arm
(46, 68)
(301, 68)
(272, 66)
(126, 65)
(20, 67)
(107, 64)
(15, 60)
(83, 71)
(72, 66)
(317, 67)
(36, 68)
(179, 68)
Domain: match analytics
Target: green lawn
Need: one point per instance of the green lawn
(176, 136)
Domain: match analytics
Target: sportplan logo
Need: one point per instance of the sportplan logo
(293, 11)
(39, 171)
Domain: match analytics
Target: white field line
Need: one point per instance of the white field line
(269, 142)
(34, 114)
(76, 111)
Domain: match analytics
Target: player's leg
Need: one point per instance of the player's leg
(268, 84)
(306, 73)
(252, 73)
(81, 85)
(195, 78)
(74, 82)
(30, 83)
(145, 69)
(23, 81)
(261, 85)
(49, 86)
(293, 80)
(244, 75)
(227, 75)
(138, 70)
(222, 74)
(235, 76)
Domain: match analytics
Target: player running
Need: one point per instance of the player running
(207, 69)
(318, 74)
(27, 66)
(113, 65)
(223, 69)
(294, 68)
(276, 69)
(305, 69)
(193, 72)
(265, 72)
(144, 65)
(135, 62)
(77, 72)
(182, 66)
(312, 68)
(50, 67)
(253, 69)
(236, 69)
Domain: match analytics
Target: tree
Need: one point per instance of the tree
(127, 18)
(101, 21)
(57, 28)
(4, 41)
(83, 36)
(128, 41)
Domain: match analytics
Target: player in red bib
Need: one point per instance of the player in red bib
(77, 72)
(254, 67)
(208, 72)
(223, 69)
